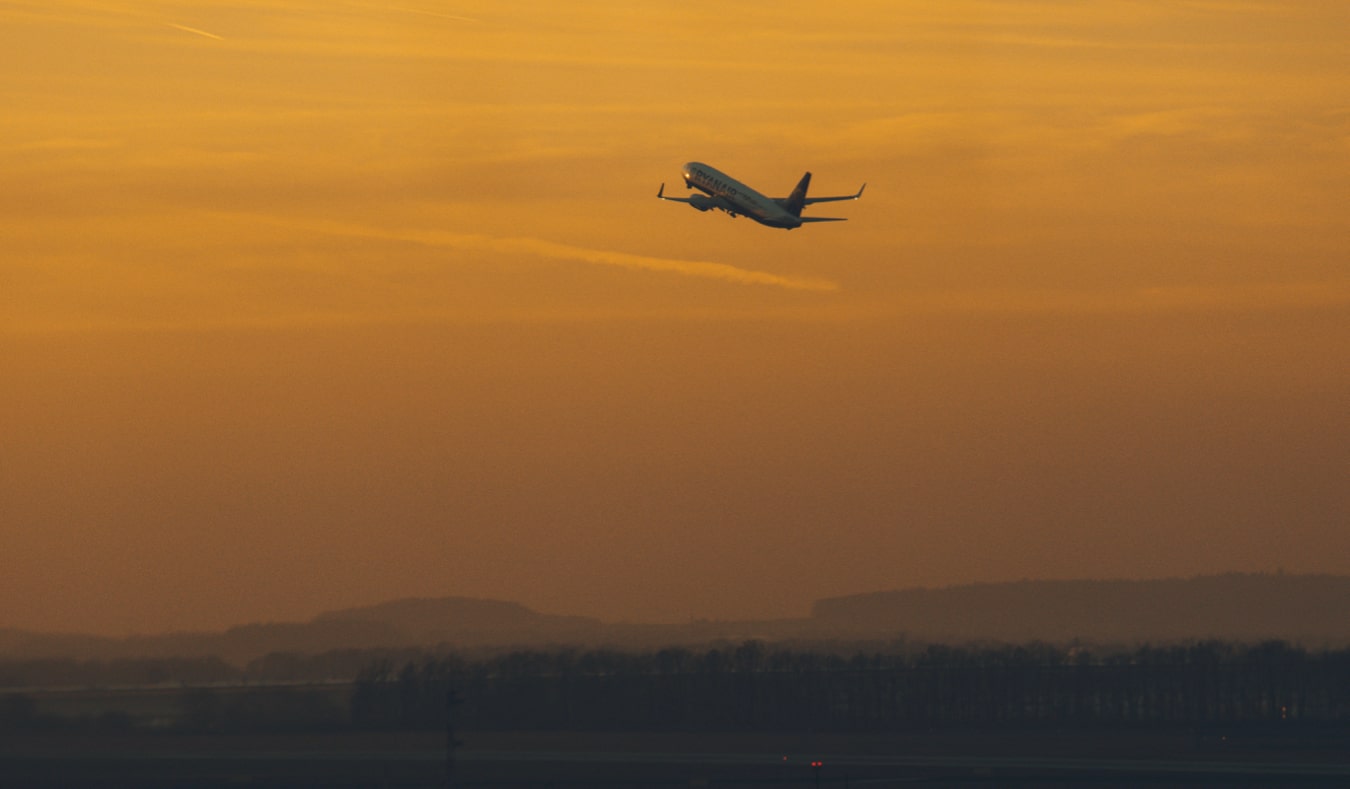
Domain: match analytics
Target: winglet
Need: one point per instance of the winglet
(860, 190)
(662, 191)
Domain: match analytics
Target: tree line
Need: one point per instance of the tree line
(750, 686)
(753, 686)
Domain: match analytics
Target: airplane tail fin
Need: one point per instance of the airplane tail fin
(797, 200)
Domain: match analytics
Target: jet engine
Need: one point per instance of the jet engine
(702, 202)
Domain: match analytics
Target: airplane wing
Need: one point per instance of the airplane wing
(661, 193)
(810, 200)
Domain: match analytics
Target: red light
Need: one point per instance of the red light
(817, 765)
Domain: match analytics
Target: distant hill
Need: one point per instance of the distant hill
(457, 621)
(16, 643)
(463, 620)
(1308, 608)
(419, 614)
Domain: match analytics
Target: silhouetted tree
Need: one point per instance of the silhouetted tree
(752, 686)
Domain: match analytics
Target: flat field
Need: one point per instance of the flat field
(626, 759)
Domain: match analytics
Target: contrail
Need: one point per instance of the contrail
(187, 29)
(556, 251)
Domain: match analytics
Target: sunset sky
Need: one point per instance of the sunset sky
(307, 304)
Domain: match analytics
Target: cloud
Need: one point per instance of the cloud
(417, 11)
(1257, 297)
(60, 144)
(194, 31)
(557, 251)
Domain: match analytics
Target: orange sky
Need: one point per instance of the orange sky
(309, 304)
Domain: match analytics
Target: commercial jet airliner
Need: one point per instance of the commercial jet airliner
(725, 193)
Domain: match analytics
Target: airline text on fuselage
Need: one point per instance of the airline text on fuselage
(716, 184)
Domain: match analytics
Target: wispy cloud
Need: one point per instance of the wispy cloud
(194, 31)
(66, 144)
(557, 251)
(1256, 297)
(418, 11)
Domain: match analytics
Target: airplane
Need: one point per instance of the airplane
(725, 193)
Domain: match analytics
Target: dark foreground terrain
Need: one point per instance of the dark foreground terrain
(522, 759)
(748, 715)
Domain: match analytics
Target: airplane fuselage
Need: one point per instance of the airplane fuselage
(722, 192)
(736, 198)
